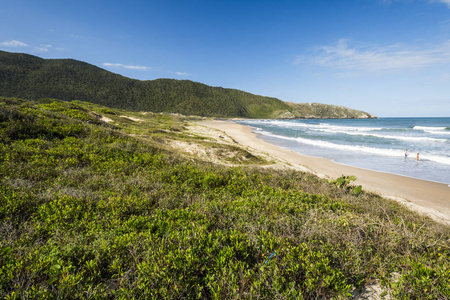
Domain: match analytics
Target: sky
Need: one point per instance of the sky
(388, 58)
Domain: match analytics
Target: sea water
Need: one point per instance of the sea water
(375, 144)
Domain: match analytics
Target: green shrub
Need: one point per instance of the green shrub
(87, 211)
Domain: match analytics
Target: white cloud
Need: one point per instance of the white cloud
(377, 59)
(182, 74)
(389, 2)
(43, 48)
(445, 2)
(14, 44)
(115, 65)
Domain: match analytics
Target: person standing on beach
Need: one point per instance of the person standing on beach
(417, 157)
(406, 153)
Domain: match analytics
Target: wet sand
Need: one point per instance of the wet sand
(424, 196)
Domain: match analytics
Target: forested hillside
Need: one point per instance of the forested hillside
(31, 77)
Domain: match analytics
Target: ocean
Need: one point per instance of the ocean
(374, 144)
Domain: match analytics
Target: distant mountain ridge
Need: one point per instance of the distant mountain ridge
(32, 77)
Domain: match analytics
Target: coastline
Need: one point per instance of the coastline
(431, 198)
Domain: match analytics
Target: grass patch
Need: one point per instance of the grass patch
(89, 211)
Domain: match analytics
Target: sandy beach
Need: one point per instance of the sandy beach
(427, 197)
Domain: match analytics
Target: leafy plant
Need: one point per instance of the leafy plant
(88, 210)
(343, 182)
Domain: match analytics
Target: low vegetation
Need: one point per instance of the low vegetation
(90, 209)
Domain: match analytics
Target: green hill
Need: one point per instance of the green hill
(31, 77)
(326, 111)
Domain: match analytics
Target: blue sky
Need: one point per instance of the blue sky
(389, 58)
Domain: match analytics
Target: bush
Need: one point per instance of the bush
(87, 211)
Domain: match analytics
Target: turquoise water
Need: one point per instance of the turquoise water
(375, 144)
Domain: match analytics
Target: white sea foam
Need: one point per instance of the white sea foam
(429, 128)
(370, 150)
(394, 137)
(373, 144)
(436, 158)
(320, 126)
(353, 130)
(325, 144)
(438, 132)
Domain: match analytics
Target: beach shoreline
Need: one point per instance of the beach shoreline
(431, 198)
